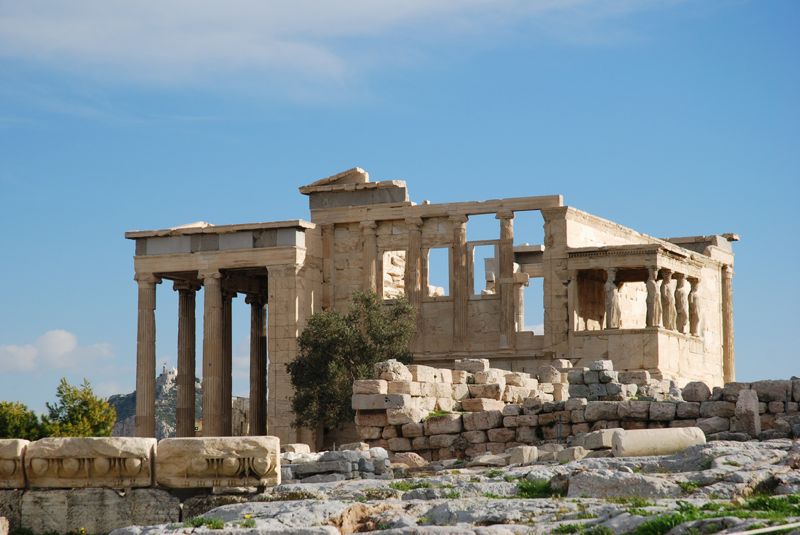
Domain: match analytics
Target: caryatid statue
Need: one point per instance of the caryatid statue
(681, 303)
(668, 311)
(653, 299)
(613, 310)
(694, 307)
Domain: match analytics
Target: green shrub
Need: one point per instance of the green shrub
(78, 413)
(17, 421)
(336, 349)
(538, 488)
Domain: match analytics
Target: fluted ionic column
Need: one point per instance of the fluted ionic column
(184, 412)
(258, 365)
(146, 356)
(505, 282)
(370, 256)
(728, 362)
(413, 275)
(212, 355)
(227, 361)
(460, 283)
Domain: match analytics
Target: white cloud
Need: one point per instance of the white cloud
(55, 349)
(178, 40)
(537, 329)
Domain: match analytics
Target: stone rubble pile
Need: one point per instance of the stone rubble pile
(473, 409)
(351, 461)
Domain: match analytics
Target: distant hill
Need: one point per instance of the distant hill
(166, 401)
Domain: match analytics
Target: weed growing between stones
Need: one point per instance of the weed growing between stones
(775, 509)
(688, 487)
(409, 485)
(436, 414)
(538, 488)
(494, 473)
(582, 529)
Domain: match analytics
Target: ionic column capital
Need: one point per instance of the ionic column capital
(459, 218)
(211, 274)
(186, 286)
(255, 299)
(504, 214)
(147, 279)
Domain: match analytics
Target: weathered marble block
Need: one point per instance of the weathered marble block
(115, 462)
(12, 474)
(218, 462)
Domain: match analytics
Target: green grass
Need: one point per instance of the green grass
(452, 495)
(510, 478)
(538, 488)
(688, 487)
(493, 496)
(436, 414)
(731, 463)
(248, 523)
(494, 472)
(409, 485)
(633, 501)
(582, 529)
(772, 508)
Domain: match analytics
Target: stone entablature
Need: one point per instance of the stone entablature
(124, 462)
(597, 277)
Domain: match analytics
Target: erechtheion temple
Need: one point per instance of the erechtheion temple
(662, 305)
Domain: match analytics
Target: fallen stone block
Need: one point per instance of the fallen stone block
(405, 415)
(489, 459)
(218, 462)
(411, 388)
(747, 417)
(410, 459)
(696, 391)
(482, 420)
(723, 409)
(637, 377)
(641, 442)
(662, 411)
(116, 462)
(323, 467)
(392, 370)
(712, 425)
(601, 410)
(481, 404)
(602, 439)
(574, 453)
(600, 365)
(298, 447)
(96, 510)
(443, 424)
(491, 376)
(523, 455)
(471, 365)
(400, 444)
(375, 418)
(361, 402)
(12, 472)
(460, 376)
(773, 390)
(489, 391)
(354, 446)
(370, 386)
(423, 374)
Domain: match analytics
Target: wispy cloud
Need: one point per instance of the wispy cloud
(175, 41)
(56, 349)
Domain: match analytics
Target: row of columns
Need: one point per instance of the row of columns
(217, 371)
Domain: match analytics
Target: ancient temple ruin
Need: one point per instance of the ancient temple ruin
(662, 305)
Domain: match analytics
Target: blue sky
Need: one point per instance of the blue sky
(672, 117)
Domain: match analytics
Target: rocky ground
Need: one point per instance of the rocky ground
(720, 487)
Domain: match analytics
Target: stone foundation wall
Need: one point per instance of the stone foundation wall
(473, 409)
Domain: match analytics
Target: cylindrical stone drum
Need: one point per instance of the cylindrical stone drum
(641, 442)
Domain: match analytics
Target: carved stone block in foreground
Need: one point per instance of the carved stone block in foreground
(218, 462)
(12, 475)
(115, 462)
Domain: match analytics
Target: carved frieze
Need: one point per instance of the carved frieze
(115, 462)
(218, 462)
(12, 474)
